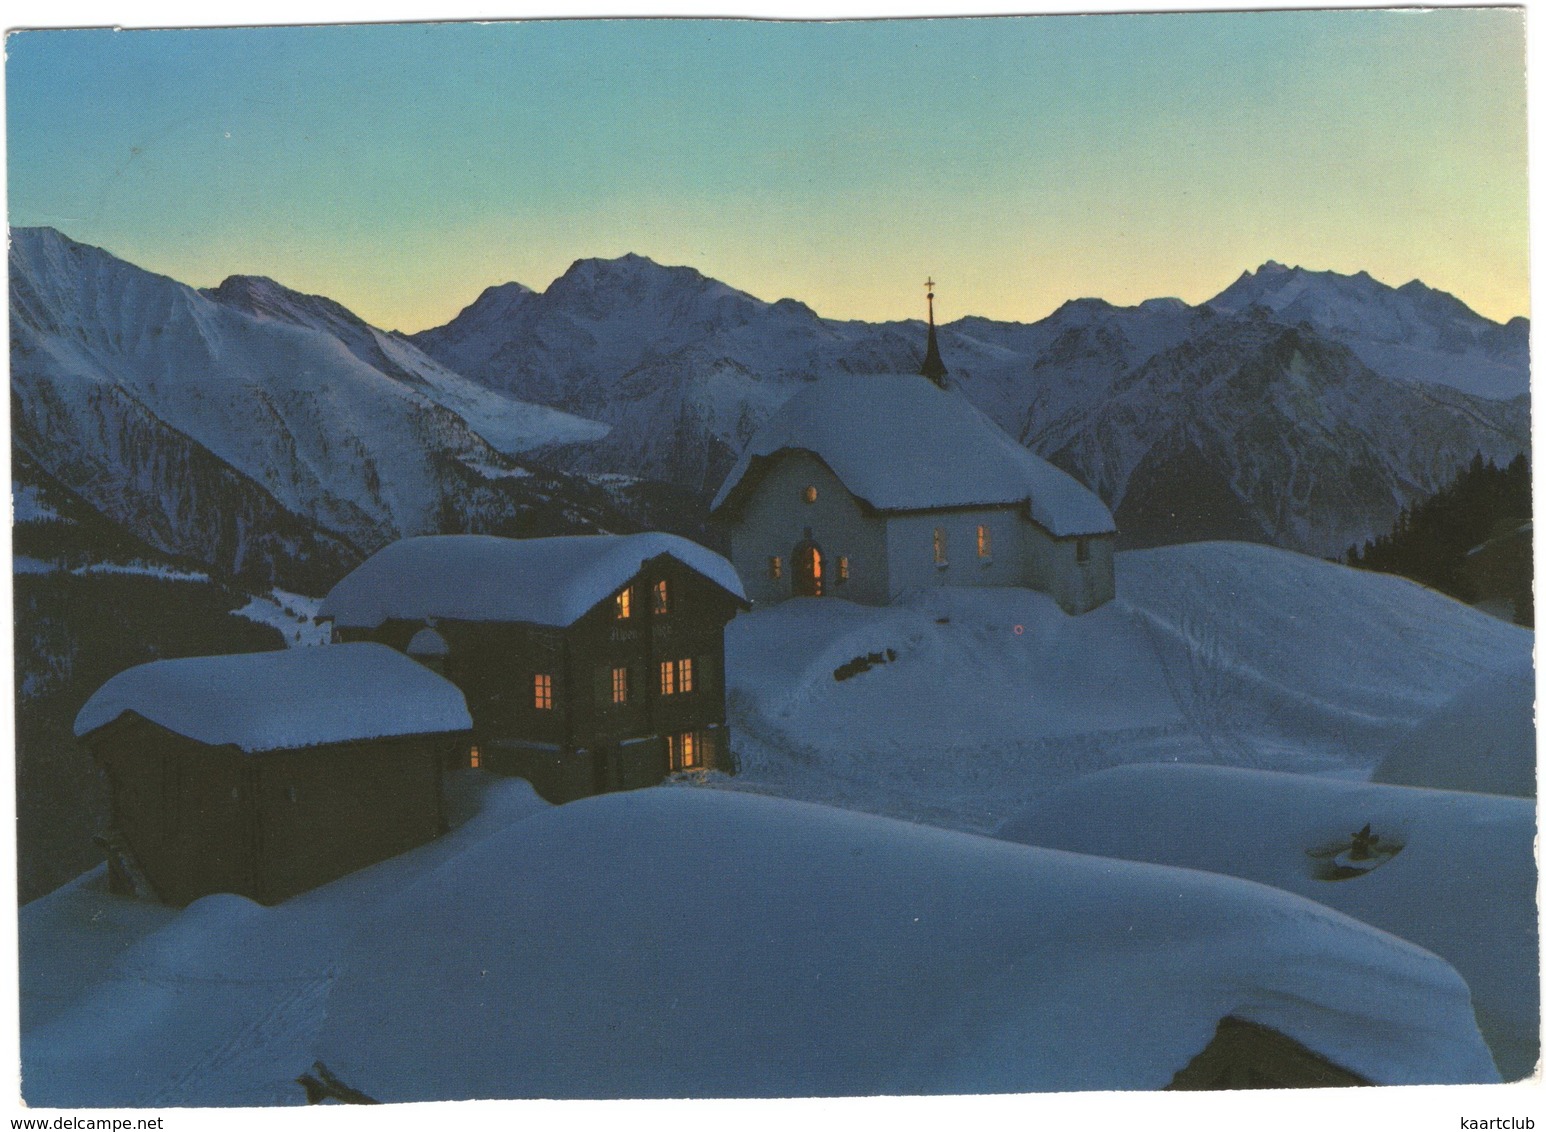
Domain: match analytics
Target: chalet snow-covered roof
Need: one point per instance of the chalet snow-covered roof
(273, 701)
(539, 581)
(900, 443)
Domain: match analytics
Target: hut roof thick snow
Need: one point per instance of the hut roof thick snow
(900, 443)
(271, 701)
(540, 581)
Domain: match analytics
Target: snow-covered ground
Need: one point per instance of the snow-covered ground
(1220, 653)
(293, 614)
(24, 564)
(1459, 880)
(669, 942)
(681, 941)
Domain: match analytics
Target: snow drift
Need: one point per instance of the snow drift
(695, 943)
(1461, 885)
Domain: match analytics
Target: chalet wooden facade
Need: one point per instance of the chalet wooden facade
(589, 664)
(268, 774)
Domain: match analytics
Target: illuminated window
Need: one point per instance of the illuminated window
(842, 568)
(619, 685)
(682, 751)
(675, 676)
(474, 758)
(810, 494)
(542, 688)
(624, 604)
(984, 542)
(1081, 550)
(662, 597)
(940, 556)
(775, 567)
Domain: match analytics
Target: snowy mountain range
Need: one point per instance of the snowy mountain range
(1300, 408)
(264, 432)
(277, 434)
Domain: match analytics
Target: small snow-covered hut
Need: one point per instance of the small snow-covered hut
(265, 774)
(864, 486)
(590, 663)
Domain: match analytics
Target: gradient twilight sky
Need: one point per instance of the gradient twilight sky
(400, 169)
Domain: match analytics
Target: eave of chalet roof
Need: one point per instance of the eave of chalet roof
(899, 443)
(548, 581)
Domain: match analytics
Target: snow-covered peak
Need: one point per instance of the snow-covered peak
(1411, 332)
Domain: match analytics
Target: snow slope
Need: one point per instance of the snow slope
(1462, 885)
(808, 951)
(125, 1002)
(813, 951)
(1483, 739)
(327, 419)
(1220, 653)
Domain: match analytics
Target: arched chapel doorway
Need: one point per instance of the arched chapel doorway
(808, 580)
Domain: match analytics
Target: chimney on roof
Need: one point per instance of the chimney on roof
(933, 365)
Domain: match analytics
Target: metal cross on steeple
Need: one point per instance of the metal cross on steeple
(933, 365)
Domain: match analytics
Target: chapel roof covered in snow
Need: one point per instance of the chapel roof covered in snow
(539, 581)
(900, 443)
(271, 701)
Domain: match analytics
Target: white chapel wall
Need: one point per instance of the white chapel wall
(774, 519)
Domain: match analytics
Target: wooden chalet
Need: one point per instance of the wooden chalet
(266, 774)
(589, 663)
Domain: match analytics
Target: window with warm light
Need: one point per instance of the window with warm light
(809, 494)
(667, 678)
(940, 556)
(775, 567)
(624, 602)
(474, 758)
(542, 691)
(984, 542)
(684, 675)
(662, 597)
(842, 568)
(682, 751)
(619, 685)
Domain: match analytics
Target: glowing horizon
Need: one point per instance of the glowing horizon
(1023, 161)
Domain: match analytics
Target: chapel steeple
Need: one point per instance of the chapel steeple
(933, 365)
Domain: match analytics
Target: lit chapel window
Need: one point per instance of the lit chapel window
(810, 494)
(667, 678)
(619, 685)
(775, 567)
(662, 597)
(984, 542)
(542, 689)
(940, 556)
(625, 604)
(474, 758)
